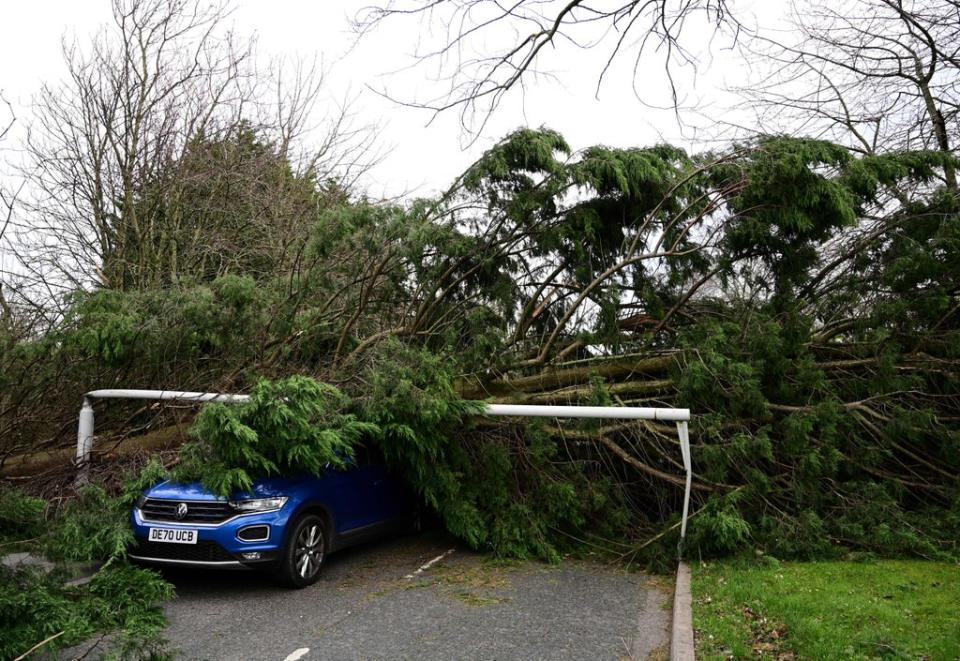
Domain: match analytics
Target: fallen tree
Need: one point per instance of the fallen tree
(796, 297)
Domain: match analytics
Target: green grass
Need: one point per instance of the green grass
(889, 609)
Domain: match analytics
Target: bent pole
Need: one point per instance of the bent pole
(684, 433)
(613, 412)
(85, 428)
(680, 416)
(86, 423)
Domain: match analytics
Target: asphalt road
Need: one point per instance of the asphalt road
(371, 603)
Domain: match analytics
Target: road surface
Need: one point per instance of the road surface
(375, 602)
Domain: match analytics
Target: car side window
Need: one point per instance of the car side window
(349, 462)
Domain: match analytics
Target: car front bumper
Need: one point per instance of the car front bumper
(218, 545)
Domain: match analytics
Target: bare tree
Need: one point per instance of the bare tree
(479, 67)
(162, 75)
(875, 75)
(7, 199)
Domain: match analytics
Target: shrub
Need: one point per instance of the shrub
(21, 516)
(120, 598)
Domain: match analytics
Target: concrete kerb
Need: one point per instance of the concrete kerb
(681, 637)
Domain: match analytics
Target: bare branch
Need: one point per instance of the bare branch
(876, 76)
(477, 76)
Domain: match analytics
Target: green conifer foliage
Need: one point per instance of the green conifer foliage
(288, 427)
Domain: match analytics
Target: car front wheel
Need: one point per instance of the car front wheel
(304, 552)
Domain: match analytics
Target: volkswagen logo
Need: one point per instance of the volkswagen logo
(181, 510)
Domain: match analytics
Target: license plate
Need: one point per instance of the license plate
(173, 535)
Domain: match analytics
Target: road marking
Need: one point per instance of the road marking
(297, 654)
(427, 566)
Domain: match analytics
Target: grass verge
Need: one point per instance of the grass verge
(883, 609)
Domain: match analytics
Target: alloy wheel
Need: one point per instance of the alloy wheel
(308, 553)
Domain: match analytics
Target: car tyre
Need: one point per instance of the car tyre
(303, 554)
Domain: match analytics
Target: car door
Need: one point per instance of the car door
(383, 506)
(351, 489)
(380, 497)
(361, 492)
(393, 497)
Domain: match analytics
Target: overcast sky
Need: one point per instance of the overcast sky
(424, 156)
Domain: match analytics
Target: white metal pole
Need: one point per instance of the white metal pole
(617, 412)
(84, 439)
(684, 433)
(180, 395)
(85, 427)
(680, 416)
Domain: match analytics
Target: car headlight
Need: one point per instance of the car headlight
(258, 504)
(141, 500)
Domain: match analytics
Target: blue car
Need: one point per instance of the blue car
(285, 524)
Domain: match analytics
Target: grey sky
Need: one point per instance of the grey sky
(424, 155)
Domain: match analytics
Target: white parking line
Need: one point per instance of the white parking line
(297, 654)
(423, 568)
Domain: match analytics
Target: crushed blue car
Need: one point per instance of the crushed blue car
(287, 525)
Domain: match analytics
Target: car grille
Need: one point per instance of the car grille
(203, 551)
(209, 511)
